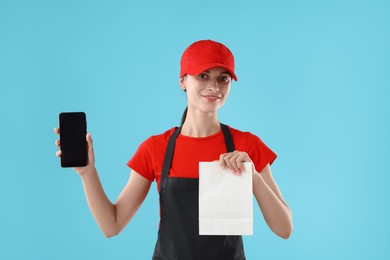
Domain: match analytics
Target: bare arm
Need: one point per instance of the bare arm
(276, 213)
(111, 218)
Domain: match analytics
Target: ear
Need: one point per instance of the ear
(182, 83)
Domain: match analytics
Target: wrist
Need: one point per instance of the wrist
(86, 172)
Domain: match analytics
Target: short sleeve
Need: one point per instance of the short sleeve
(142, 161)
(259, 152)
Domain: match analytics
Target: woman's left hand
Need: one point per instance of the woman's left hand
(234, 161)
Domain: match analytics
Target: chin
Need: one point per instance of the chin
(209, 110)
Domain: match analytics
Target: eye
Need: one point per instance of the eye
(225, 79)
(202, 76)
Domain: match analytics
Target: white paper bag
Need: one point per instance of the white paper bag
(225, 200)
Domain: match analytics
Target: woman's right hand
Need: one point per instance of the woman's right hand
(90, 167)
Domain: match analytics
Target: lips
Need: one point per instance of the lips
(211, 98)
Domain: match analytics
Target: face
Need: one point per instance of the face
(208, 91)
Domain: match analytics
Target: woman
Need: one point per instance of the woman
(171, 158)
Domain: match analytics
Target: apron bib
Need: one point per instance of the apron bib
(178, 235)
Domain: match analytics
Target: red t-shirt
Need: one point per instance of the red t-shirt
(189, 151)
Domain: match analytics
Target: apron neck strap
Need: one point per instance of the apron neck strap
(228, 138)
(171, 147)
(169, 153)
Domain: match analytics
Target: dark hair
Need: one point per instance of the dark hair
(183, 118)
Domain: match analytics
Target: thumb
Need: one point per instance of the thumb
(89, 140)
(91, 155)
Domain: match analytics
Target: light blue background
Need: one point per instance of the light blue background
(313, 84)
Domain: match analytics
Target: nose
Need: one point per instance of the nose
(213, 86)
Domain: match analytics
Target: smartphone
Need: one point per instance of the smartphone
(73, 143)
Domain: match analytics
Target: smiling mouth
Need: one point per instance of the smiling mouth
(211, 97)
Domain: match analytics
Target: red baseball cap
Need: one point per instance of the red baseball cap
(206, 54)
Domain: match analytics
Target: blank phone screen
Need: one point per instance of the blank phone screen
(73, 129)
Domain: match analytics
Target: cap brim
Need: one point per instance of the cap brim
(199, 69)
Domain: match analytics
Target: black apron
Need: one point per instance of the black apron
(178, 235)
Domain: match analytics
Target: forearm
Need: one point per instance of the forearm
(102, 209)
(276, 213)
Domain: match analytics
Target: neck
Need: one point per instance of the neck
(200, 124)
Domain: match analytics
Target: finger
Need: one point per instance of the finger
(240, 161)
(222, 160)
(58, 144)
(56, 130)
(233, 162)
(246, 158)
(89, 140)
(59, 153)
(243, 157)
(91, 156)
(228, 162)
